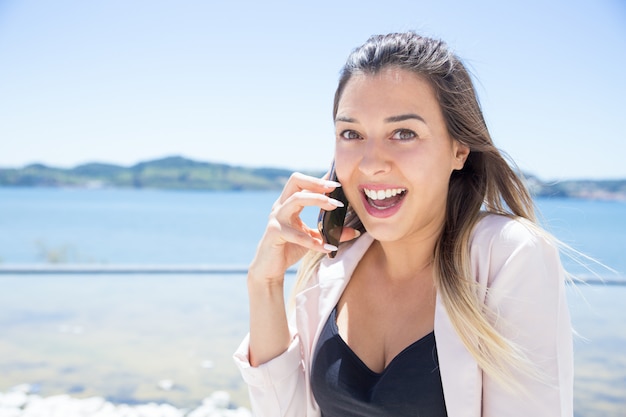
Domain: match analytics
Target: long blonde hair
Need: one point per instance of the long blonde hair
(487, 181)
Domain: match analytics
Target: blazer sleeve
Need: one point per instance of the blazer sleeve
(277, 387)
(525, 288)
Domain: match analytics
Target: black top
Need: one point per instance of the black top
(344, 386)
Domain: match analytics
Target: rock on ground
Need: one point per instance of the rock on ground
(19, 402)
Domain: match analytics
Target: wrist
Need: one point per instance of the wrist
(265, 285)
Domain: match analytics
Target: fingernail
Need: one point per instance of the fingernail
(331, 184)
(330, 247)
(356, 234)
(335, 203)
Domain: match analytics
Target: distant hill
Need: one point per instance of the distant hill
(176, 172)
(168, 173)
(584, 189)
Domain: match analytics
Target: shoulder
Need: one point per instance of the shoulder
(505, 243)
(502, 235)
(498, 228)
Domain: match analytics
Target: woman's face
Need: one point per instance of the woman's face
(394, 155)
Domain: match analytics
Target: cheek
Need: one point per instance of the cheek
(346, 168)
(345, 162)
(426, 170)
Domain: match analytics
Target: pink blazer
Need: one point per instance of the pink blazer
(520, 277)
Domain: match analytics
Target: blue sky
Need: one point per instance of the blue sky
(251, 83)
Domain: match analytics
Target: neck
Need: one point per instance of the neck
(406, 259)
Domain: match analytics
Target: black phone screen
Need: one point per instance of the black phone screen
(330, 223)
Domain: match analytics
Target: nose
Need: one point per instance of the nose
(374, 159)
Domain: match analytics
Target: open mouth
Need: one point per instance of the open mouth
(384, 199)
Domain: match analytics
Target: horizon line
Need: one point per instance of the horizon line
(236, 165)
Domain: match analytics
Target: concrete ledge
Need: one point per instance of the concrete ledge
(60, 269)
(93, 269)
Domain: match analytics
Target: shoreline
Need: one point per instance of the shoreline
(150, 342)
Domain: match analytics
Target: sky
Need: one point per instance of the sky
(251, 83)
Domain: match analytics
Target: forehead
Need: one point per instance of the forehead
(390, 88)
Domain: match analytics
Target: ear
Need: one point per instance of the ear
(461, 152)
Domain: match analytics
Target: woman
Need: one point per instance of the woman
(445, 297)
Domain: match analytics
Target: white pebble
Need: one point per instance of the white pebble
(10, 412)
(221, 399)
(165, 384)
(13, 399)
(17, 403)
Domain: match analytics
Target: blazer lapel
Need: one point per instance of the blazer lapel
(460, 375)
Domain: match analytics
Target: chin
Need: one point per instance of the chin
(385, 233)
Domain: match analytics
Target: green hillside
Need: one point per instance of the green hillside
(167, 173)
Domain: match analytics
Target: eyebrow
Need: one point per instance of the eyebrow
(392, 119)
(403, 117)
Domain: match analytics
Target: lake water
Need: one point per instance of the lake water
(119, 335)
(178, 227)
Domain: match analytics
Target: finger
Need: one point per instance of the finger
(294, 205)
(307, 238)
(301, 182)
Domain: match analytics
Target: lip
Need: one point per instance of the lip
(378, 212)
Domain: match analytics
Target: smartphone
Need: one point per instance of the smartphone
(330, 223)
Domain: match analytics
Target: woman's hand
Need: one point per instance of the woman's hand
(285, 241)
(287, 238)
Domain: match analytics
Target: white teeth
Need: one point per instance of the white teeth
(382, 194)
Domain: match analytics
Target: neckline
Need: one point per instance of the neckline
(359, 361)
